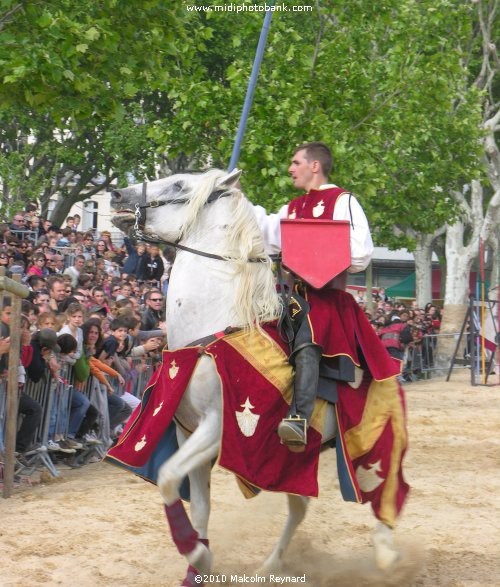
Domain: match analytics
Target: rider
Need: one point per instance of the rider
(310, 167)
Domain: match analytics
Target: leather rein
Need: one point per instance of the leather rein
(140, 220)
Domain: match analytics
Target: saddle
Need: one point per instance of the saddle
(332, 370)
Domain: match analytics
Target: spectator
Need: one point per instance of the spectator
(18, 226)
(152, 317)
(75, 270)
(89, 252)
(106, 237)
(150, 267)
(395, 336)
(76, 222)
(135, 255)
(38, 266)
(58, 293)
(101, 249)
(74, 320)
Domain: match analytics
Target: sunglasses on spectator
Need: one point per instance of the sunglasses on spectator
(4, 257)
(156, 299)
(68, 291)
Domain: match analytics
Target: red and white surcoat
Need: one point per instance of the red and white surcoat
(328, 202)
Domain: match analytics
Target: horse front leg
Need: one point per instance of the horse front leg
(195, 454)
(199, 487)
(297, 507)
(386, 553)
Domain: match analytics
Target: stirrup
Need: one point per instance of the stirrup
(293, 431)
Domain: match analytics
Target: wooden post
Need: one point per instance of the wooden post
(13, 285)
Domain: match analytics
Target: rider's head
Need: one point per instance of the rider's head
(311, 165)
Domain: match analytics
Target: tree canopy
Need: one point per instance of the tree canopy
(109, 88)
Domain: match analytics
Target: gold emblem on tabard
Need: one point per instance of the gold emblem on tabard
(141, 444)
(319, 209)
(174, 369)
(158, 409)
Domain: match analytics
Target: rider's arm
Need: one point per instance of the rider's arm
(348, 208)
(269, 225)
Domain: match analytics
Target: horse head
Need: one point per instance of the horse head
(135, 206)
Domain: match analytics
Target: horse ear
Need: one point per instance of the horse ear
(230, 179)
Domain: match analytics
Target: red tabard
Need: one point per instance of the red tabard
(315, 204)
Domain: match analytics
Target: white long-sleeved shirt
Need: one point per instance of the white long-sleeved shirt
(360, 237)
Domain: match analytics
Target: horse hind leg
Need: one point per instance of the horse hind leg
(297, 507)
(198, 450)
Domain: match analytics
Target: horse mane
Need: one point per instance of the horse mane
(256, 299)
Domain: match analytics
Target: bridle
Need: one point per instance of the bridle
(140, 221)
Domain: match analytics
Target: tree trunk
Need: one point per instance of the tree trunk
(423, 269)
(62, 208)
(459, 260)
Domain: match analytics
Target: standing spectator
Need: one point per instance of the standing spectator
(152, 316)
(75, 270)
(76, 222)
(106, 237)
(38, 266)
(58, 293)
(395, 336)
(18, 226)
(135, 255)
(101, 248)
(151, 267)
(89, 252)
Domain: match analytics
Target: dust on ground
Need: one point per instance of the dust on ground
(100, 526)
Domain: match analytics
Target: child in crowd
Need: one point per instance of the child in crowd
(74, 319)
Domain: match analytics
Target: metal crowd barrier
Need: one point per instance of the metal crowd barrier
(54, 397)
(420, 358)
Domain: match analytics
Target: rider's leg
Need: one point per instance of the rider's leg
(292, 430)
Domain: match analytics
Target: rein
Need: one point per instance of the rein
(140, 220)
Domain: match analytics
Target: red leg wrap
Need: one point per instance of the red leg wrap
(184, 535)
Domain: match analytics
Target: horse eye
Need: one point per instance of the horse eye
(179, 186)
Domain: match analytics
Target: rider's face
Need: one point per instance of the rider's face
(302, 171)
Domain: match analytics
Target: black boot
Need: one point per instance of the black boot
(293, 429)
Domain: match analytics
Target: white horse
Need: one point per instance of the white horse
(207, 213)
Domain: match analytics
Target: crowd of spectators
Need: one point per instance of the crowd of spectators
(95, 308)
(97, 305)
(406, 332)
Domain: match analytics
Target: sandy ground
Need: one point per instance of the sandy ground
(100, 526)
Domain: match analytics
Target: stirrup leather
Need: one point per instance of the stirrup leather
(293, 431)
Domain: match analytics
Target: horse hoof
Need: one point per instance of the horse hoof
(385, 553)
(190, 578)
(271, 566)
(201, 559)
